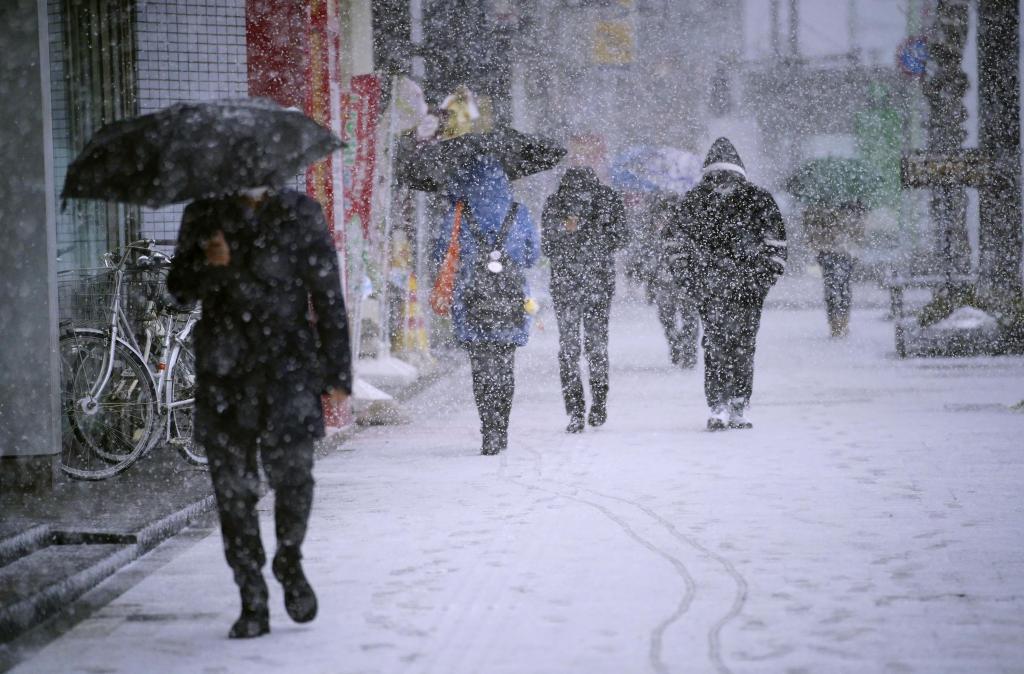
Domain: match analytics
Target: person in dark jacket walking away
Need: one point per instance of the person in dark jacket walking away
(726, 248)
(583, 225)
(677, 311)
(263, 360)
(497, 242)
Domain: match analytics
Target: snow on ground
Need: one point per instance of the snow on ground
(870, 522)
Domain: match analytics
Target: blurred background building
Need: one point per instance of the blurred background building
(881, 81)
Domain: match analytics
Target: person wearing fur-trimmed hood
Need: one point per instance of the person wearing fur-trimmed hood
(726, 247)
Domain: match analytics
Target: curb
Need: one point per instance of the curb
(18, 618)
(29, 612)
(24, 543)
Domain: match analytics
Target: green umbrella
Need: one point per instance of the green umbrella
(835, 181)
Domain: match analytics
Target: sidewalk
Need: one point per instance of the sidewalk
(870, 522)
(57, 546)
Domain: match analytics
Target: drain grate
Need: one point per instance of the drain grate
(91, 538)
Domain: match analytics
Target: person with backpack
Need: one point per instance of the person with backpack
(583, 226)
(726, 247)
(494, 240)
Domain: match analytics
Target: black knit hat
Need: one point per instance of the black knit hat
(723, 152)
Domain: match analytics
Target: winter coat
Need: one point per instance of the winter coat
(726, 238)
(487, 194)
(257, 335)
(582, 261)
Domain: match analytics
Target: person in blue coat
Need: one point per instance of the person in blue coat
(489, 211)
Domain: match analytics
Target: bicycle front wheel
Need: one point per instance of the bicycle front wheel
(182, 405)
(110, 427)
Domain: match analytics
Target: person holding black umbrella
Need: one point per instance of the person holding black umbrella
(257, 261)
(496, 241)
(726, 247)
(834, 231)
(583, 226)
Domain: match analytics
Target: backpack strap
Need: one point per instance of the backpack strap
(506, 228)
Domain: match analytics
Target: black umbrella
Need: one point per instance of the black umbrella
(194, 150)
(426, 166)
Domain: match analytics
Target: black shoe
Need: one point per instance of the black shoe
(299, 598)
(598, 414)
(254, 620)
(252, 623)
(576, 425)
(491, 444)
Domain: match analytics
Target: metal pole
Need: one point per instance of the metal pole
(999, 140)
(794, 28)
(776, 38)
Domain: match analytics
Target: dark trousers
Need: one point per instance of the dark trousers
(589, 314)
(233, 467)
(681, 322)
(836, 271)
(494, 383)
(730, 334)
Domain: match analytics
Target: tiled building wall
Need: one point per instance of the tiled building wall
(189, 50)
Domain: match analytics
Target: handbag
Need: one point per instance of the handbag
(444, 285)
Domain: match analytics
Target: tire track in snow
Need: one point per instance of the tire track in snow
(742, 588)
(690, 585)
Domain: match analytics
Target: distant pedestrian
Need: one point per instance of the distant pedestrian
(497, 240)
(677, 310)
(259, 262)
(834, 232)
(583, 225)
(727, 247)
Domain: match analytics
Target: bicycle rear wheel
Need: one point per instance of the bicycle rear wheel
(183, 387)
(111, 431)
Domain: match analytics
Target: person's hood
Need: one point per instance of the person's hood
(578, 187)
(483, 185)
(723, 157)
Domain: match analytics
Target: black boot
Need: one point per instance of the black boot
(598, 411)
(254, 620)
(491, 443)
(576, 424)
(299, 599)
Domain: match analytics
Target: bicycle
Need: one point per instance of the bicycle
(120, 397)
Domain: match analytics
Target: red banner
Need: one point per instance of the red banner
(360, 109)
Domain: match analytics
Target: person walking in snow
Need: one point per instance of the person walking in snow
(257, 262)
(677, 311)
(497, 241)
(834, 232)
(582, 226)
(726, 248)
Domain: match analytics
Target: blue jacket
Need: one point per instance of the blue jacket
(485, 188)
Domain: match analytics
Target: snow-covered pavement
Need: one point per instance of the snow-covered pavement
(872, 521)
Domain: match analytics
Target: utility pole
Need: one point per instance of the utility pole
(776, 37)
(794, 29)
(852, 29)
(944, 90)
(999, 141)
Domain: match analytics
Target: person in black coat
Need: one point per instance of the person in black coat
(727, 247)
(257, 263)
(582, 227)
